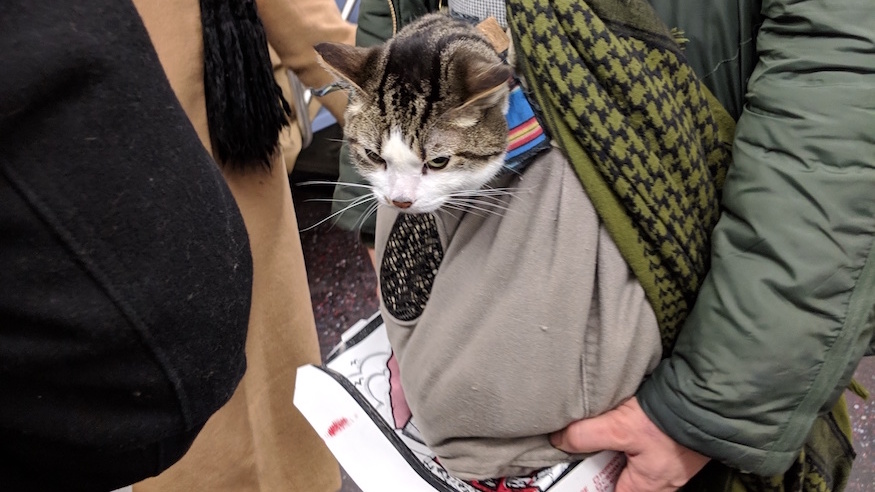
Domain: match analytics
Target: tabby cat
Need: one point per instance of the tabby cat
(425, 122)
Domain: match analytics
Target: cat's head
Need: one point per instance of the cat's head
(425, 120)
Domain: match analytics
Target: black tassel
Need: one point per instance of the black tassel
(245, 107)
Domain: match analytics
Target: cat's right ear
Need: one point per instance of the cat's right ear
(350, 63)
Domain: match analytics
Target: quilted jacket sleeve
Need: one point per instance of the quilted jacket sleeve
(787, 310)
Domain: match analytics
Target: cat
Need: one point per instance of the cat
(425, 121)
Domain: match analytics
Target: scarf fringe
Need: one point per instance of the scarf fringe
(245, 107)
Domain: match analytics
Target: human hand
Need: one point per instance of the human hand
(654, 462)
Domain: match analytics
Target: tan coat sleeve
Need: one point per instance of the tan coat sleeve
(293, 27)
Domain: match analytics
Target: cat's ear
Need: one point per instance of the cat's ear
(350, 63)
(486, 83)
(485, 86)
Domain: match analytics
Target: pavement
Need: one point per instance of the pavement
(343, 290)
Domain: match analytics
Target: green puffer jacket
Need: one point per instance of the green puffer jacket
(788, 308)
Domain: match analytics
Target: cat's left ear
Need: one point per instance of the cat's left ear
(485, 86)
(486, 83)
(350, 63)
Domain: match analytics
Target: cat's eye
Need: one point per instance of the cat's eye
(374, 157)
(438, 163)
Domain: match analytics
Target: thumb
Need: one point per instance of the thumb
(625, 483)
(604, 432)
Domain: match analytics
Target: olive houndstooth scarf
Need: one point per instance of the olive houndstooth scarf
(641, 133)
(651, 147)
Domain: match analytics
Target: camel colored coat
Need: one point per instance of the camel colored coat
(258, 441)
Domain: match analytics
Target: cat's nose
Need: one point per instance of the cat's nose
(401, 204)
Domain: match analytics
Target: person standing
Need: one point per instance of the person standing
(258, 441)
(785, 314)
(788, 296)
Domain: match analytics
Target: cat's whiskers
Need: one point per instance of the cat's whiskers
(485, 197)
(339, 183)
(352, 204)
(449, 210)
(489, 204)
(371, 210)
(491, 193)
(461, 208)
(466, 204)
(512, 171)
(487, 192)
(349, 203)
